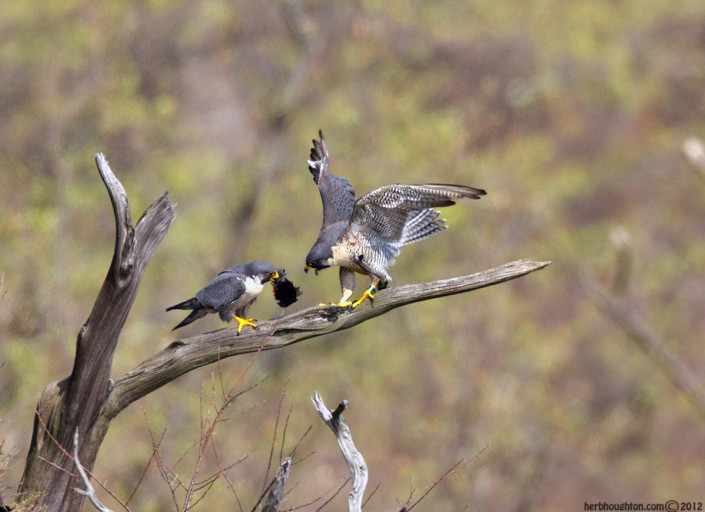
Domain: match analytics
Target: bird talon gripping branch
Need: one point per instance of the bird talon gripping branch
(242, 322)
(369, 294)
(365, 235)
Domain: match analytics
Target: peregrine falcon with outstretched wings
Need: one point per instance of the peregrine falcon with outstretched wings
(230, 294)
(365, 235)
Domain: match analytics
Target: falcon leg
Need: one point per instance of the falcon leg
(347, 285)
(241, 322)
(344, 301)
(377, 284)
(369, 294)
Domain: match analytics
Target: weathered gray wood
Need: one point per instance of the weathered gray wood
(275, 494)
(75, 403)
(353, 457)
(182, 356)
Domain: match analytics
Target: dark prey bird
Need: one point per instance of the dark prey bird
(230, 294)
(365, 235)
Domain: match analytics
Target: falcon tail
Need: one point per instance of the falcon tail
(192, 317)
(318, 160)
(192, 303)
(198, 311)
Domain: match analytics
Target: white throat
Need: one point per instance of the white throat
(253, 285)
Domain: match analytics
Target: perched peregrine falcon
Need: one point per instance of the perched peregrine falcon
(365, 235)
(230, 294)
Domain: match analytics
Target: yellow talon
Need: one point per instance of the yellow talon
(369, 294)
(339, 304)
(241, 322)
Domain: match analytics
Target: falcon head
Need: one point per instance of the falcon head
(262, 270)
(319, 257)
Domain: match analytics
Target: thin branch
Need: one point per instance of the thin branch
(353, 458)
(337, 491)
(411, 503)
(428, 489)
(637, 328)
(274, 439)
(90, 491)
(183, 356)
(694, 150)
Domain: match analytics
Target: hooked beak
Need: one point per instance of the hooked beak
(273, 276)
(309, 267)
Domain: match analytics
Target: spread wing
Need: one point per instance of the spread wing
(390, 217)
(224, 290)
(403, 214)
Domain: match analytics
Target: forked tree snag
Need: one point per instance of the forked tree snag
(76, 403)
(353, 457)
(87, 400)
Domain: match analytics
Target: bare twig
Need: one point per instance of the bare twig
(636, 327)
(274, 439)
(353, 458)
(624, 262)
(410, 503)
(89, 492)
(340, 488)
(694, 150)
(206, 437)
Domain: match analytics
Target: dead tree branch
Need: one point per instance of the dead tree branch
(619, 310)
(694, 150)
(185, 355)
(353, 458)
(276, 488)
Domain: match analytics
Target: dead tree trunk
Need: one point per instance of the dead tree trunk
(77, 402)
(87, 400)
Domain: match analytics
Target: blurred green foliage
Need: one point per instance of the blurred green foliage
(571, 115)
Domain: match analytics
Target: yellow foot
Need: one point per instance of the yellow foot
(340, 304)
(241, 322)
(369, 294)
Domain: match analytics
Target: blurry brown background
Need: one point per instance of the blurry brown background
(570, 114)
